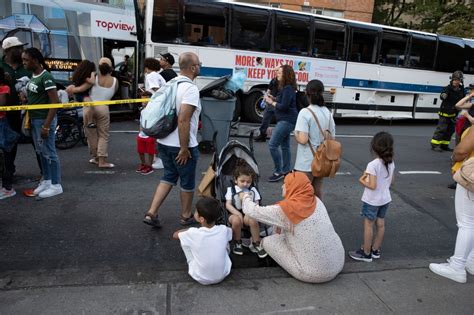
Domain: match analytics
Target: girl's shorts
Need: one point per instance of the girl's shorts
(146, 145)
(373, 212)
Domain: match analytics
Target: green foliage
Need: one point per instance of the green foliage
(453, 18)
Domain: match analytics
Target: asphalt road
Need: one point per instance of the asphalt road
(93, 233)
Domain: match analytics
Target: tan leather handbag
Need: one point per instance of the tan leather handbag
(464, 176)
(327, 157)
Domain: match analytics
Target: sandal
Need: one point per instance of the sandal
(188, 221)
(152, 220)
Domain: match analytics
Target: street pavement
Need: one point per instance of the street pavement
(87, 251)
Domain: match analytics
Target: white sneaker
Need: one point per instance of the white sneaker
(445, 270)
(51, 191)
(158, 164)
(5, 193)
(470, 270)
(43, 185)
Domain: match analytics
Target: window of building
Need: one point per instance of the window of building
(450, 55)
(323, 11)
(422, 52)
(329, 39)
(251, 29)
(363, 47)
(392, 51)
(292, 34)
(205, 24)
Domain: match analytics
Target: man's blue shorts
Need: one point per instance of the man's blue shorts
(173, 171)
(373, 212)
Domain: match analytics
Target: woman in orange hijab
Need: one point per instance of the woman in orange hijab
(307, 247)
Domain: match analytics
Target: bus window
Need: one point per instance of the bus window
(363, 45)
(392, 51)
(450, 54)
(205, 25)
(328, 39)
(166, 21)
(251, 29)
(292, 33)
(469, 60)
(422, 51)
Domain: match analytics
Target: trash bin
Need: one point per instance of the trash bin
(216, 115)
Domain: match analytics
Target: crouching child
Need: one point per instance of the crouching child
(206, 248)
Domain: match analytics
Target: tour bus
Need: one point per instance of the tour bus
(69, 31)
(369, 70)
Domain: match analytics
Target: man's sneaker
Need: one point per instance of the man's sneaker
(376, 253)
(43, 185)
(470, 269)
(436, 148)
(5, 193)
(257, 249)
(51, 191)
(360, 255)
(238, 249)
(446, 148)
(147, 170)
(445, 270)
(276, 177)
(453, 185)
(158, 164)
(261, 137)
(140, 168)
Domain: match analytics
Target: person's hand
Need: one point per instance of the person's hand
(44, 132)
(268, 99)
(70, 89)
(472, 94)
(183, 156)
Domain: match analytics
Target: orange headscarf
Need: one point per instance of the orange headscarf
(299, 202)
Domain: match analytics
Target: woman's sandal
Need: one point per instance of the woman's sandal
(187, 221)
(152, 220)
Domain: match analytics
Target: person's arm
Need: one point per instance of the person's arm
(72, 89)
(285, 99)
(272, 215)
(468, 117)
(91, 79)
(301, 129)
(184, 124)
(53, 99)
(175, 234)
(444, 93)
(301, 137)
(465, 103)
(368, 180)
(465, 147)
(232, 209)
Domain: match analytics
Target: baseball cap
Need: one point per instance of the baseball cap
(168, 57)
(10, 42)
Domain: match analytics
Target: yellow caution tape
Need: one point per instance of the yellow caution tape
(72, 104)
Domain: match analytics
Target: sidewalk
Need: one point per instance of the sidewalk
(257, 291)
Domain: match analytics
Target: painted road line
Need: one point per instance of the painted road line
(99, 172)
(343, 173)
(353, 136)
(124, 131)
(419, 172)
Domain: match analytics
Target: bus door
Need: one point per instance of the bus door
(123, 55)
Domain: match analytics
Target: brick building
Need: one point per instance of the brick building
(360, 10)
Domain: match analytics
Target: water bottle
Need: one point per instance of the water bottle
(263, 104)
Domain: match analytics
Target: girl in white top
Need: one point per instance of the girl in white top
(376, 179)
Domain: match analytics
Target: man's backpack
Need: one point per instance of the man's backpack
(159, 118)
(327, 157)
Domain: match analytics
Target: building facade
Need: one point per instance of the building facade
(361, 10)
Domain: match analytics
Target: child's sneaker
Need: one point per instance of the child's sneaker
(140, 168)
(147, 170)
(238, 249)
(257, 249)
(360, 255)
(5, 193)
(158, 164)
(375, 253)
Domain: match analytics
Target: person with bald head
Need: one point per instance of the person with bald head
(179, 150)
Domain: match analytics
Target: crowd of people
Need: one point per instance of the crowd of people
(302, 239)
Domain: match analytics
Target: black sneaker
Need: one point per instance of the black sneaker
(436, 148)
(452, 185)
(237, 250)
(376, 253)
(446, 148)
(261, 138)
(276, 177)
(360, 255)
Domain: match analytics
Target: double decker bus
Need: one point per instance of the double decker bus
(369, 70)
(68, 31)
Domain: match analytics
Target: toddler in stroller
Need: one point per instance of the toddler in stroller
(237, 171)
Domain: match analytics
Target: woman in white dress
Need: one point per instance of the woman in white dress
(307, 246)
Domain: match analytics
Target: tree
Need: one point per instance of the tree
(388, 12)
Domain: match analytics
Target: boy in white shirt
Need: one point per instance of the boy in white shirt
(206, 248)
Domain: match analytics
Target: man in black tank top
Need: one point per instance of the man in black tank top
(166, 63)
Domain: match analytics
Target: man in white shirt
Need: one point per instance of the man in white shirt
(179, 150)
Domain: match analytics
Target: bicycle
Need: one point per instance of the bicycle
(70, 129)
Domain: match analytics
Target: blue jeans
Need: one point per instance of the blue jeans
(173, 171)
(46, 149)
(267, 118)
(281, 139)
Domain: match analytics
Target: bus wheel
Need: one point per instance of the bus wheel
(252, 107)
(238, 109)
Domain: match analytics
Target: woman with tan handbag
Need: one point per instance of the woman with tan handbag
(307, 132)
(463, 258)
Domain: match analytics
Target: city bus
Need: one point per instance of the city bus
(68, 31)
(369, 70)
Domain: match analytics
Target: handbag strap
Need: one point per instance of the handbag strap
(320, 129)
